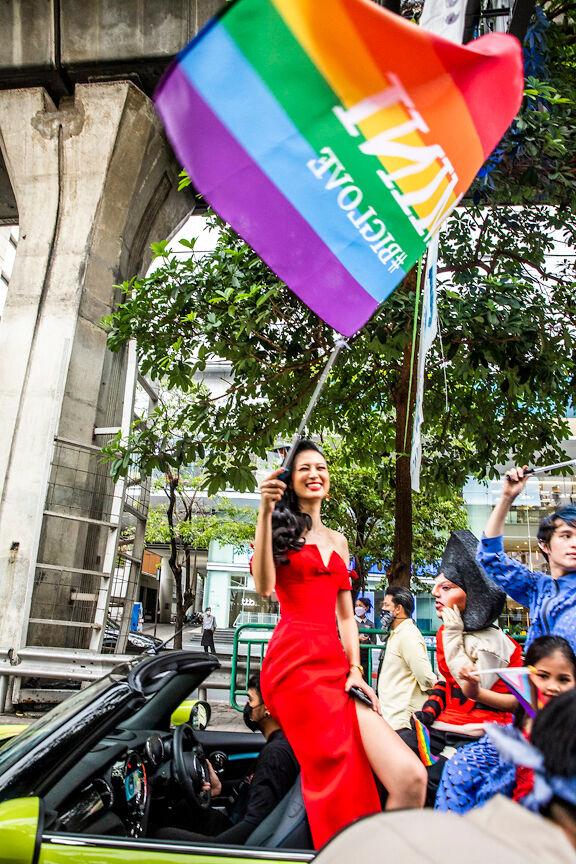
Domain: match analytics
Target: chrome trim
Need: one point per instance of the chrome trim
(148, 845)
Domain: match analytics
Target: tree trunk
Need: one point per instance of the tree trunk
(173, 560)
(194, 577)
(404, 398)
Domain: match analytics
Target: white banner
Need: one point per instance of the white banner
(444, 17)
(428, 332)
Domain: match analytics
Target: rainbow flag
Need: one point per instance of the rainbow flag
(423, 739)
(517, 679)
(335, 136)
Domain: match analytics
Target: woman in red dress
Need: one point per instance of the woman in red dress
(308, 669)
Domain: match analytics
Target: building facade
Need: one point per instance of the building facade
(8, 246)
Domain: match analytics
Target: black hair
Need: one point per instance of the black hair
(549, 524)
(401, 597)
(289, 524)
(544, 646)
(554, 734)
(254, 683)
(366, 602)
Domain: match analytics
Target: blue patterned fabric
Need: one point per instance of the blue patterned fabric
(473, 776)
(551, 602)
(514, 748)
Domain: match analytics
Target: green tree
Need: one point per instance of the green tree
(507, 311)
(361, 506)
(189, 523)
(536, 162)
(508, 330)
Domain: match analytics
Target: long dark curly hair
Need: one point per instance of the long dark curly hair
(289, 523)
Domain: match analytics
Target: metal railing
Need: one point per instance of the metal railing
(255, 648)
(59, 664)
(75, 665)
(253, 658)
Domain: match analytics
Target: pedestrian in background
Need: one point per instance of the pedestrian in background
(208, 630)
(406, 674)
(361, 610)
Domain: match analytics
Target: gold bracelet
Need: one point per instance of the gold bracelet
(357, 666)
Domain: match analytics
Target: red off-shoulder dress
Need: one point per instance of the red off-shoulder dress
(302, 681)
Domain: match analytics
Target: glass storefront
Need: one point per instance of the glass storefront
(230, 590)
(248, 607)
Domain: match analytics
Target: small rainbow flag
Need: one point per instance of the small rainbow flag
(423, 738)
(517, 679)
(335, 136)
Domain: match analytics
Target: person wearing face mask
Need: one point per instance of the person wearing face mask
(406, 673)
(361, 610)
(274, 774)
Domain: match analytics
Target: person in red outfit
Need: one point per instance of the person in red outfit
(308, 669)
(458, 708)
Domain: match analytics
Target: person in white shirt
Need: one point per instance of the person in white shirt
(406, 673)
(208, 630)
(362, 609)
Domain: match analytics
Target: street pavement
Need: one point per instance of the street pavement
(224, 718)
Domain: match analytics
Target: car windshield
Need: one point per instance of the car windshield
(55, 718)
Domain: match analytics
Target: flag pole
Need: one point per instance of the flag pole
(525, 670)
(414, 332)
(338, 345)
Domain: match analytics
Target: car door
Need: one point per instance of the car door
(23, 840)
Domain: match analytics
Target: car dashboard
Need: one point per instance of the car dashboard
(125, 786)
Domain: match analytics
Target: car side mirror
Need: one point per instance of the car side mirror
(22, 821)
(200, 715)
(193, 711)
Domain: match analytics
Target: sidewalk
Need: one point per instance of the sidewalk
(190, 638)
(166, 631)
(225, 718)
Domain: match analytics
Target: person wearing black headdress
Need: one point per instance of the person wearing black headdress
(467, 642)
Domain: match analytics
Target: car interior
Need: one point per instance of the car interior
(130, 772)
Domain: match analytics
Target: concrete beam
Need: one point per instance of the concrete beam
(8, 206)
(59, 43)
(95, 183)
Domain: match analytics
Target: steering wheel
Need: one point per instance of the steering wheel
(191, 773)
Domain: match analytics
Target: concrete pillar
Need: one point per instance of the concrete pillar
(165, 592)
(94, 181)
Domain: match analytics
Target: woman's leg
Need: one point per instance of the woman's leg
(395, 765)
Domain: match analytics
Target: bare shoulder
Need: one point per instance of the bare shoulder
(340, 544)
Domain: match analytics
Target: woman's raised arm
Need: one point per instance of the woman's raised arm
(263, 567)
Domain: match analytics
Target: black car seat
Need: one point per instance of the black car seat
(286, 827)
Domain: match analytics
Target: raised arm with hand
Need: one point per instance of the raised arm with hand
(263, 567)
(514, 484)
(470, 683)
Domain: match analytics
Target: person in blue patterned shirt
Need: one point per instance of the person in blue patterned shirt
(551, 600)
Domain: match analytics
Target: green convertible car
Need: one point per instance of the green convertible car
(96, 776)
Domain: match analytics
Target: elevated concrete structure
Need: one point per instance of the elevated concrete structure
(86, 172)
(94, 182)
(57, 44)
